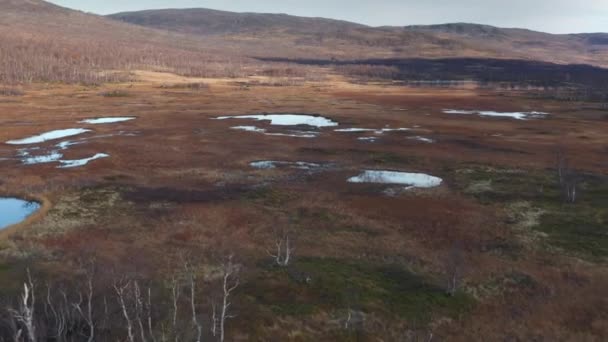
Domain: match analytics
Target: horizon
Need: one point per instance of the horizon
(558, 17)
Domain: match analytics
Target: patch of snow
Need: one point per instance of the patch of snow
(263, 165)
(107, 120)
(384, 130)
(271, 164)
(65, 164)
(513, 115)
(287, 119)
(376, 131)
(249, 129)
(354, 130)
(412, 180)
(459, 111)
(24, 152)
(423, 139)
(370, 139)
(51, 157)
(64, 145)
(295, 134)
(52, 135)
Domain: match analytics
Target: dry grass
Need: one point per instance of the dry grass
(183, 186)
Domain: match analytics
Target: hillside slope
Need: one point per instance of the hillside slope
(44, 42)
(343, 39)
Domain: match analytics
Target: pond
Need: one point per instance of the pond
(15, 210)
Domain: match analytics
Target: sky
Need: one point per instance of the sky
(555, 16)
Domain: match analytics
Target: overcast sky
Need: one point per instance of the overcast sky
(557, 16)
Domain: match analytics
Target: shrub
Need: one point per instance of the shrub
(115, 93)
(10, 92)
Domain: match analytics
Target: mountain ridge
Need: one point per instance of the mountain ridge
(343, 38)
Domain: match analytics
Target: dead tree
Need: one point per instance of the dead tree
(230, 282)
(561, 163)
(195, 321)
(149, 313)
(87, 312)
(24, 315)
(284, 249)
(175, 292)
(568, 180)
(139, 310)
(57, 314)
(454, 269)
(121, 289)
(569, 189)
(214, 319)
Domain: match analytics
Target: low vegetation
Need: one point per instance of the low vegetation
(194, 229)
(536, 197)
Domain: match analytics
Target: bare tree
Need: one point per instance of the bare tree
(214, 319)
(454, 268)
(121, 289)
(175, 292)
(87, 313)
(24, 315)
(195, 321)
(139, 309)
(149, 314)
(569, 189)
(568, 180)
(56, 315)
(561, 163)
(230, 282)
(284, 249)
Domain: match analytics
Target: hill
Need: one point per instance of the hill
(207, 21)
(49, 43)
(344, 39)
(44, 42)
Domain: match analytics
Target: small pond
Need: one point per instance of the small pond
(14, 210)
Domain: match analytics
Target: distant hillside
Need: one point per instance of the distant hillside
(44, 42)
(343, 39)
(206, 21)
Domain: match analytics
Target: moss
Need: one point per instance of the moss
(388, 158)
(269, 196)
(115, 93)
(337, 285)
(580, 229)
(12, 276)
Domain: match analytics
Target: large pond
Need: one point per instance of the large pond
(14, 210)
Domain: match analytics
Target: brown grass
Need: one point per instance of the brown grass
(183, 185)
